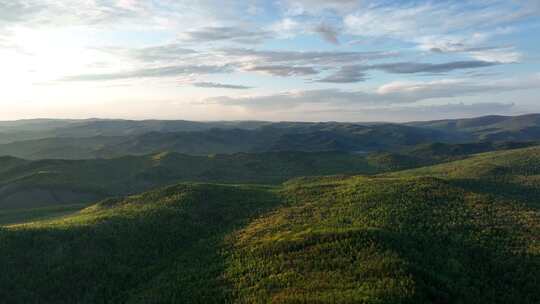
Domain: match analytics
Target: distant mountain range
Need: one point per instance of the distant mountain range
(94, 138)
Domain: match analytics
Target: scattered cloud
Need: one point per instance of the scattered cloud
(438, 25)
(219, 86)
(305, 7)
(329, 58)
(346, 74)
(43, 41)
(51, 12)
(159, 53)
(405, 20)
(285, 28)
(393, 93)
(414, 67)
(328, 33)
(357, 73)
(501, 55)
(159, 72)
(230, 34)
(283, 70)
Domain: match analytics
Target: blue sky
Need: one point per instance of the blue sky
(310, 60)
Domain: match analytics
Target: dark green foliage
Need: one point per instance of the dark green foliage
(27, 184)
(521, 165)
(407, 239)
(465, 231)
(160, 247)
(8, 216)
(360, 240)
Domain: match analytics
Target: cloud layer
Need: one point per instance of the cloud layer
(308, 55)
(393, 93)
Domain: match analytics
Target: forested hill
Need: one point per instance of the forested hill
(490, 128)
(275, 137)
(46, 183)
(421, 236)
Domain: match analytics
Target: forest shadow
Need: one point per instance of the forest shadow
(169, 254)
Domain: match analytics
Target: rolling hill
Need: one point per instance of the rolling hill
(85, 139)
(44, 183)
(390, 217)
(31, 129)
(308, 137)
(404, 238)
(490, 128)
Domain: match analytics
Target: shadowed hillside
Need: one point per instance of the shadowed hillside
(30, 184)
(44, 183)
(158, 247)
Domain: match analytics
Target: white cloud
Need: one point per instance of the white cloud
(393, 93)
(156, 72)
(158, 43)
(225, 33)
(302, 7)
(285, 28)
(283, 70)
(443, 26)
(501, 55)
(356, 73)
(324, 58)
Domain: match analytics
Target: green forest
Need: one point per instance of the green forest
(460, 232)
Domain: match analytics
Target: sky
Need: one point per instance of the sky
(301, 60)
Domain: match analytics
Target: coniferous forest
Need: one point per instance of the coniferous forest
(429, 222)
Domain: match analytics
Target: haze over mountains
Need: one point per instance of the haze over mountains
(76, 139)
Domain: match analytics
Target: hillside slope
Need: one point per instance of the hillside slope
(519, 165)
(45, 183)
(30, 184)
(388, 240)
(398, 239)
(160, 247)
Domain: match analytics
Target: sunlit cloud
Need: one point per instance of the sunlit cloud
(256, 56)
